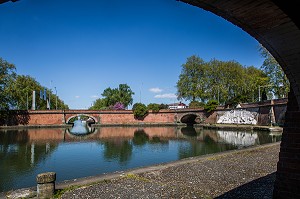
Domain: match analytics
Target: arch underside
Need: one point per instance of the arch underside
(276, 27)
(90, 119)
(190, 119)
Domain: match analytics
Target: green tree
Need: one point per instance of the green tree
(7, 75)
(139, 110)
(99, 104)
(163, 106)
(192, 80)
(255, 78)
(125, 95)
(196, 104)
(231, 78)
(20, 90)
(218, 80)
(122, 94)
(280, 84)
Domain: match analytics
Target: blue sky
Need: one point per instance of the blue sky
(82, 47)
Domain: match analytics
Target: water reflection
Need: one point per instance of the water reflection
(19, 154)
(240, 139)
(140, 137)
(119, 150)
(25, 153)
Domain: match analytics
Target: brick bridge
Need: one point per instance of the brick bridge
(126, 117)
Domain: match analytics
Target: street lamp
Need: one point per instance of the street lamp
(55, 98)
(259, 97)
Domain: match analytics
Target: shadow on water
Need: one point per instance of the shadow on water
(189, 131)
(259, 188)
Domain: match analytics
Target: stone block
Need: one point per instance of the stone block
(46, 185)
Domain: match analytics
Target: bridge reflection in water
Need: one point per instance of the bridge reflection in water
(27, 152)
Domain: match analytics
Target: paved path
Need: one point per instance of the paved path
(247, 173)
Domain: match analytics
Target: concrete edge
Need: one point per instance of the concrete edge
(139, 170)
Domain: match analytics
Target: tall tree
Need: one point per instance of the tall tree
(7, 74)
(191, 83)
(280, 84)
(125, 95)
(255, 78)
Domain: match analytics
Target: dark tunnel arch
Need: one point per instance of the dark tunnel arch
(190, 119)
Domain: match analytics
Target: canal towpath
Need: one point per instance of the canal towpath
(244, 173)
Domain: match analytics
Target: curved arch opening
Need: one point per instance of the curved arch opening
(190, 119)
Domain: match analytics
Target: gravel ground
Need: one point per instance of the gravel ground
(247, 173)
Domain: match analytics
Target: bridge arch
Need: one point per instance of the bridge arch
(276, 26)
(190, 118)
(90, 119)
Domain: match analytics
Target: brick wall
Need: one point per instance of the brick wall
(287, 183)
(60, 117)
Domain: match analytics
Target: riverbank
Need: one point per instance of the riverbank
(243, 173)
(205, 126)
(240, 127)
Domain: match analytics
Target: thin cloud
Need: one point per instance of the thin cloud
(166, 95)
(94, 96)
(155, 90)
(77, 96)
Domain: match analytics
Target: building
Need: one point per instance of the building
(179, 105)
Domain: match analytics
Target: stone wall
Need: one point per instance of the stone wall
(266, 111)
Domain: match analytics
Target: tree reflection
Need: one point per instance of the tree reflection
(18, 155)
(118, 149)
(158, 140)
(197, 147)
(264, 137)
(140, 137)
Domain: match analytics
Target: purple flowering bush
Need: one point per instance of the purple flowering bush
(118, 106)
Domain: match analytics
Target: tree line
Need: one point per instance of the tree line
(16, 91)
(202, 83)
(228, 82)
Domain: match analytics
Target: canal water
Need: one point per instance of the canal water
(24, 153)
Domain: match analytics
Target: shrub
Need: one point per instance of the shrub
(154, 107)
(139, 110)
(211, 105)
(163, 106)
